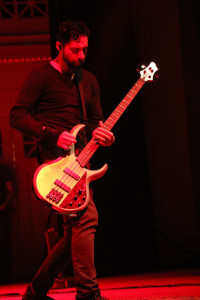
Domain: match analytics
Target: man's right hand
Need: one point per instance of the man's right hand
(65, 140)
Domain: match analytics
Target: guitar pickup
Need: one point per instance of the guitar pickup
(62, 185)
(72, 174)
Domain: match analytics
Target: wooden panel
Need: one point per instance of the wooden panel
(13, 74)
(16, 51)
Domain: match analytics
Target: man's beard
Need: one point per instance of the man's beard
(73, 65)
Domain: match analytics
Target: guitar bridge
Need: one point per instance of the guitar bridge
(54, 196)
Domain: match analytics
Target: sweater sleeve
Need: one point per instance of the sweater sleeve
(22, 113)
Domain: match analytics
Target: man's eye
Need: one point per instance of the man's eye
(77, 50)
(74, 50)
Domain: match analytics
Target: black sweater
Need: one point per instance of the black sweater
(48, 98)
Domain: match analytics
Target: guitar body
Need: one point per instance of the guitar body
(63, 184)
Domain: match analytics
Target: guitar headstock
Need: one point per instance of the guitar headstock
(148, 73)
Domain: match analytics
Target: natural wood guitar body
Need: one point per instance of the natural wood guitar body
(63, 183)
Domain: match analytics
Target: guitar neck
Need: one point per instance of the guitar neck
(86, 154)
(119, 110)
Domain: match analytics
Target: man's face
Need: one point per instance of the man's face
(74, 52)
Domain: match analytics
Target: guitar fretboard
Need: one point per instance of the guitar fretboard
(89, 150)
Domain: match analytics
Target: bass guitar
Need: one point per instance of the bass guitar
(64, 183)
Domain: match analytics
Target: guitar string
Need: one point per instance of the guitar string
(122, 106)
(109, 123)
(117, 112)
(114, 116)
(66, 178)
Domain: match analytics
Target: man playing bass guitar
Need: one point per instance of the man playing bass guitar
(48, 107)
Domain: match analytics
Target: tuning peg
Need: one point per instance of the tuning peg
(142, 67)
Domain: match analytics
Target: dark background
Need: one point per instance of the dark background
(148, 202)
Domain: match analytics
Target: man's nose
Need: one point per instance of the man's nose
(82, 55)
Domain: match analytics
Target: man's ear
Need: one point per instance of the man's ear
(59, 46)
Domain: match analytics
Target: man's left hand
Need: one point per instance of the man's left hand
(104, 136)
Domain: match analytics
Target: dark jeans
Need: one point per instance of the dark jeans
(76, 244)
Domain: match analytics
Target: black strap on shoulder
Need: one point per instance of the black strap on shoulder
(82, 98)
(79, 76)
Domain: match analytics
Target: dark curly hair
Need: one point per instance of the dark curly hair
(71, 30)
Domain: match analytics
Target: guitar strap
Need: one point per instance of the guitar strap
(79, 81)
(82, 100)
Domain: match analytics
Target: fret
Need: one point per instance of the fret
(146, 75)
(86, 154)
(110, 122)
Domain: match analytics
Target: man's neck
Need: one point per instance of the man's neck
(57, 65)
